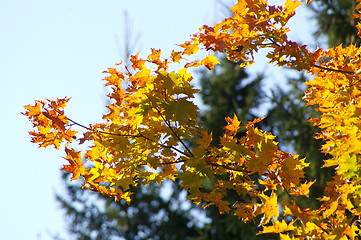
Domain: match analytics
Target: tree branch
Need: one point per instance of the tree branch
(174, 133)
(334, 69)
(129, 135)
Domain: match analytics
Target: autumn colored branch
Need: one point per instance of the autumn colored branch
(334, 70)
(155, 97)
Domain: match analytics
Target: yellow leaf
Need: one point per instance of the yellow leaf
(269, 207)
(190, 47)
(195, 63)
(303, 189)
(209, 62)
(278, 227)
(330, 210)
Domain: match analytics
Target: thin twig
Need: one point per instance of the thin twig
(278, 45)
(224, 166)
(129, 135)
(174, 133)
(163, 145)
(334, 69)
(126, 67)
(294, 201)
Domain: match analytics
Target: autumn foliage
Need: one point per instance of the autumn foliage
(152, 118)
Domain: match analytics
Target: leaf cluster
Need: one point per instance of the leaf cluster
(152, 117)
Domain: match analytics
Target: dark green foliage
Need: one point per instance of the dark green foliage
(227, 91)
(333, 19)
(92, 216)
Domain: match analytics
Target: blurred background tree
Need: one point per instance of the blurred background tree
(151, 215)
(334, 21)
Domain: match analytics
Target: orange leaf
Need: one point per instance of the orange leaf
(233, 125)
(32, 110)
(137, 63)
(75, 166)
(58, 121)
(155, 56)
(176, 56)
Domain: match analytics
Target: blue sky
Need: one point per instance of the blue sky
(53, 48)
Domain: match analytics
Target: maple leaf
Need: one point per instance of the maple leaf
(233, 125)
(245, 211)
(269, 207)
(192, 182)
(209, 62)
(114, 79)
(344, 191)
(215, 197)
(352, 231)
(305, 216)
(292, 170)
(240, 7)
(269, 184)
(303, 189)
(195, 63)
(290, 6)
(176, 56)
(120, 195)
(267, 152)
(331, 208)
(57, 121)
(181, 110)
(33, 110)
(190, 47)
(75, 166)
(137, 63)
(141, 76)
(48, 117)
(278, 227)
(155, 56)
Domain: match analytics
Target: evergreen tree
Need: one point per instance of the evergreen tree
(93, 216)
(227, 91)
(334, 21)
